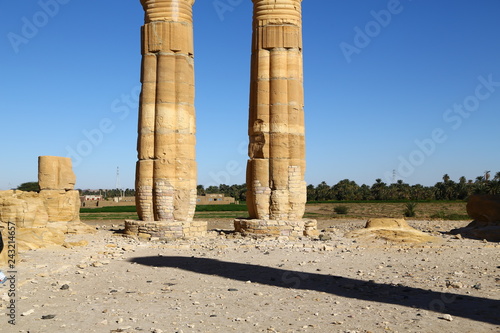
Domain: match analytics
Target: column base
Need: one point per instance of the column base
(277, 228)
(169, 230)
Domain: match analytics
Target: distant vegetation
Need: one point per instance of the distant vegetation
(347, 190)
(443, 210)
(110, 209)
(341, 210)
(238, 192)
(410, 209)
(199, 208)
(29, 187)
(222, 208)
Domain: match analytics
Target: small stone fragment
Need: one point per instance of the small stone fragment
(447, 317)
(27, 313)
(51, 316)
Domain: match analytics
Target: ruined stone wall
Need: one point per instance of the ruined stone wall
(57, 200)
(41, 219)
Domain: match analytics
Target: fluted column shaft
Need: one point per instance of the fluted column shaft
(275, 171)
(166, 167)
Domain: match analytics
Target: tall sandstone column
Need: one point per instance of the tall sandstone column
(275, 170)
(166, 170)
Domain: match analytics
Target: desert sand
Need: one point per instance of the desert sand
(225, 283)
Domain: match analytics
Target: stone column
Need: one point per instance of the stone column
(275, 170)
(166, 170)
(276, 123)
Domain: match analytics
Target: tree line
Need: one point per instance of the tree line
(446, 189)
(347, 190)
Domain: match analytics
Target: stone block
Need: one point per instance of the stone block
(62, 206)
(262, 227)
(26, 209)
(55, 173)
(484, 209)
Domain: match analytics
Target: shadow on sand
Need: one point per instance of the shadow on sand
(475, 308)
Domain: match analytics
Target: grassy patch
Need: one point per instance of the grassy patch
(341, 209)
(110, 209)
(220, 215)
(382, 201)
(132, 209)
(221, 208)
(445, 210)
(101, 216)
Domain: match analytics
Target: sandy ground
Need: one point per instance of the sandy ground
(226, 283)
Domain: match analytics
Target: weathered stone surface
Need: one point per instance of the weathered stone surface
(26, 209)
(37, 210)
(62, 206)
(166, 170)
(35, 238)
(275, 171)
(276, 228)
(42, 219)
(276, 194)
(55, 173)
(387, 223)
(165, 230)
(395, 230)
(484, 209)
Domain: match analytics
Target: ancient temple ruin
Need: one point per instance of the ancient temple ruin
(166, 168)
(43, 218)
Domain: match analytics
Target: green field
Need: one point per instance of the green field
(130, 212)
(442, 210)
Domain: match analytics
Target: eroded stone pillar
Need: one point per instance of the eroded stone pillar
(275, 171)
(276, 194)
(166, 169)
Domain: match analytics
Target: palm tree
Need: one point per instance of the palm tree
(497, 176)
(462, 188)
(311, 193)
(322, 191)
(379, 190)
(346, 190)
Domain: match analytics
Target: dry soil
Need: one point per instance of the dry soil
(225, 283)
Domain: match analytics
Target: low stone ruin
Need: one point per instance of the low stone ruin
(391, 229)
(274, 228)
(42, 219)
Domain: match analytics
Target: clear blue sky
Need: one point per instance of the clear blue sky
(411, 86)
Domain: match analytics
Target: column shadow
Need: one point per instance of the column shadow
(470, 307)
